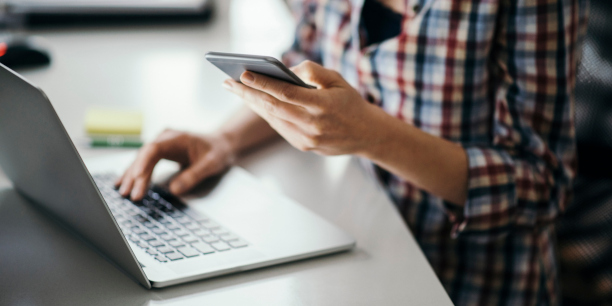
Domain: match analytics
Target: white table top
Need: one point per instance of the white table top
(161, 70)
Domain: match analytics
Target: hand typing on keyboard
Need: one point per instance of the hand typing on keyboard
(199, 157)
(166, 231)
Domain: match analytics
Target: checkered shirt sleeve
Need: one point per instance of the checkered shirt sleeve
(523, 177)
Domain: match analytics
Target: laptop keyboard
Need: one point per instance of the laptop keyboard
(165, 231)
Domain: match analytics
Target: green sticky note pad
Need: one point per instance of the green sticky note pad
(113, 122)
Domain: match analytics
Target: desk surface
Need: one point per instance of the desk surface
(161, 70)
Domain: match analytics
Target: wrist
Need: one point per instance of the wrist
(227, 144)
(381, 129)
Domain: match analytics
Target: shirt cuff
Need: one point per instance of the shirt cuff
(491, 204)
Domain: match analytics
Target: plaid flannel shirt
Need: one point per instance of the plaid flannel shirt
(497, 77)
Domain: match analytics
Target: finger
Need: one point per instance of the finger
(305, 120)
(141, 185)
(147, 158)
(193, 175)
(313, 73)
(119, 180)
(143, 166)
(293, 134)
(278, 124)
(126, 186)
(281, 90)
(269, 104)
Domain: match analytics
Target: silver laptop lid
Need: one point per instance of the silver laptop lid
(39, 158)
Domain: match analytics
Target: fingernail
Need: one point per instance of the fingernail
(135, 195)
(247, 78)
(227, 85)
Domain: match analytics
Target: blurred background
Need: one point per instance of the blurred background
(137, 55)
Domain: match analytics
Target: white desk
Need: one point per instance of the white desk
(161, 70)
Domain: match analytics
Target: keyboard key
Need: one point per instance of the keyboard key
(127, 205)
(176, 243)
(181, 233)
(192, 226)
(220, 246)
(153, 194)
(229, 237)
(156, 216)
(158, 230)
(138, 231)
(146, 210)
(147, 237)
(182, 220)
(133, 213)
(148, 224)
(219, 231)
(140, 218)
(134, 238)
(210, 239)
(161, 258)
(156, 243)
(238, 243)
(172, 227)
(210, 225)
(190, 238)
(174, 256)
(167, 237)
(165, 249)
(174, 213)
(188, 252)
(152, 251)
(142, 245)
(201, 232)
(162, 207)
(198, 217)
(203, 247)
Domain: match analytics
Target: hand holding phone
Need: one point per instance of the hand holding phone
(235, 64)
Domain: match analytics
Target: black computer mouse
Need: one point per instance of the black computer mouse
(18, 52)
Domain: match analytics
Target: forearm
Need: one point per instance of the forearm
(246, 130)
(335, 119)
(429, 162)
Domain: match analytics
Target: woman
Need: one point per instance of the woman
(464, 107)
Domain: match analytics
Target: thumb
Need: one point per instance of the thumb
(192, 176)
(315, 74)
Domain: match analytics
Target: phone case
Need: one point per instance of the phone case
(235, 64)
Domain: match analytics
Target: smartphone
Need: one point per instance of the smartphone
(235, 64)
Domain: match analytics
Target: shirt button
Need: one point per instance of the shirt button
(416, 8)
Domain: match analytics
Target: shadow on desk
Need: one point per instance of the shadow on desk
(43, 263)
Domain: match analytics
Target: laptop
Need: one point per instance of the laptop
(127, 7)
(231, 223)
